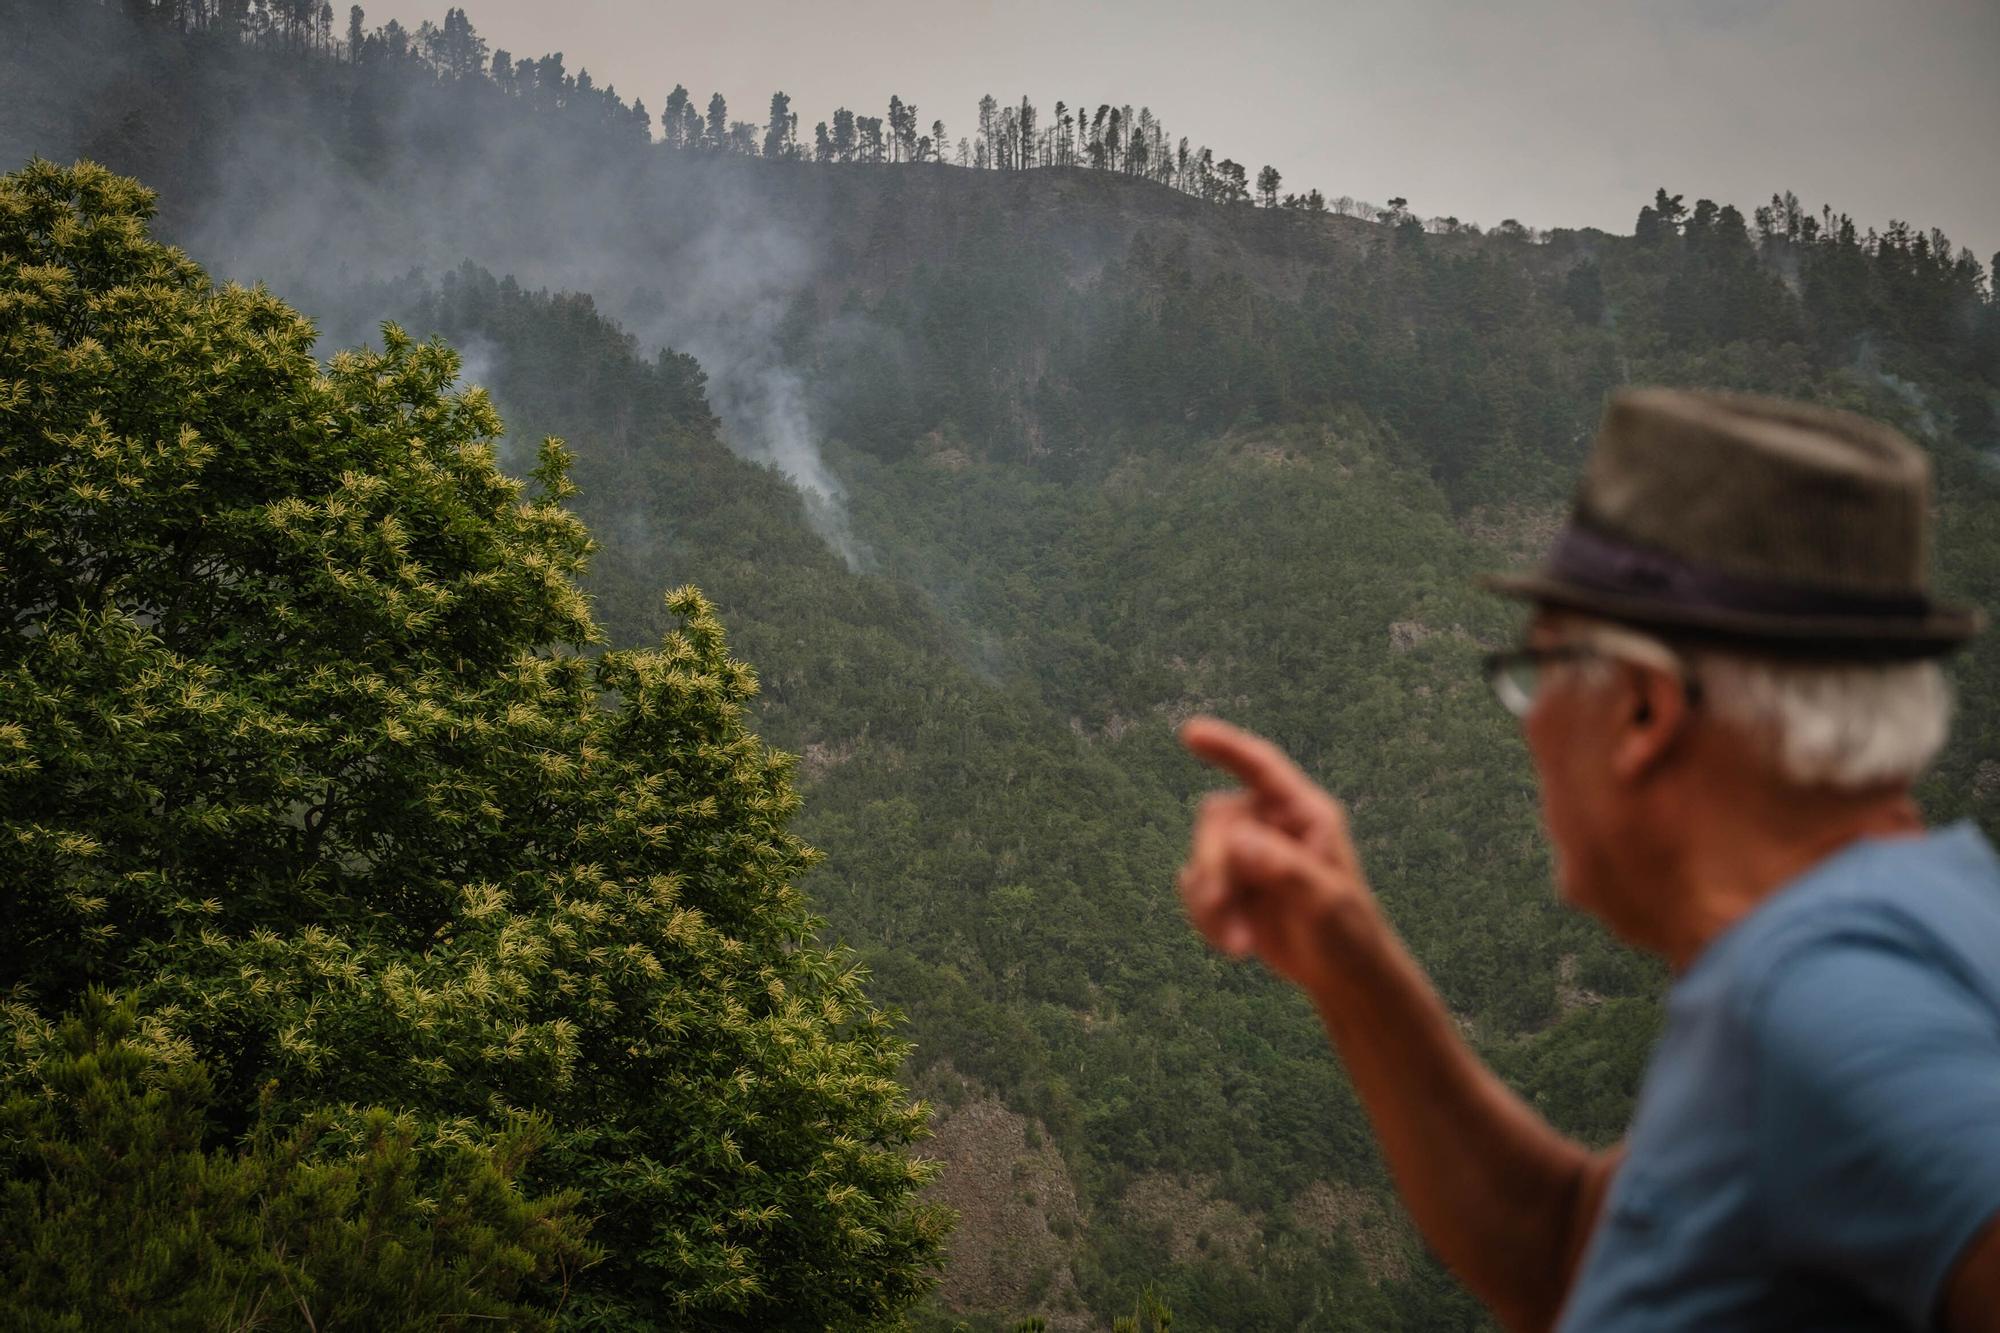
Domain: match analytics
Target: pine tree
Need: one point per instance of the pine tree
(780, 127)
(843, 135)
(896, 116)
(989, 110)
(718, 122)
(1268, 181)
(674, 119)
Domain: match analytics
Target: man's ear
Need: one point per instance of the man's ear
(1653, 713)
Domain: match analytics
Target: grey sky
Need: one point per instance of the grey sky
(1556, 112)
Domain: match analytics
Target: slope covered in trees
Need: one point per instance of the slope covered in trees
(1058, 420)
(1013, 137)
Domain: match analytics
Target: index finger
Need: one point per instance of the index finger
(1256, 763)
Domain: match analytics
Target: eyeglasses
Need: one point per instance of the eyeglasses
(1515, 675)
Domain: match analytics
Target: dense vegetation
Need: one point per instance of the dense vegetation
(434, 939)
(1064, 420)
(1016, 137)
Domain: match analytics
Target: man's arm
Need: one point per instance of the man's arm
(1972, 1295)
(1505, 1200)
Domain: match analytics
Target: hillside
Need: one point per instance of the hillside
(1077, 455)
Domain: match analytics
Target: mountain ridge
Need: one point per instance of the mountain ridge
(1105, 453)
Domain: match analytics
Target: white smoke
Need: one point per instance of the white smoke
(737, 271)
(724, 246)
(477, 359)
(1868, 361)
(765, 418)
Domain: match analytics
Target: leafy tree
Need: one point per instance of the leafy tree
(1230, 185)
(1268, 181)
(1150, 1315)
(900, 139)
(869, 147)
(1670, 210)
(1583, 293)
(989, 113)
(844, 139)
(1660, 220)
(718, 121)
(114, 1214)
(1050, 463)
(674, 119)
(781, 129)
(304, 750)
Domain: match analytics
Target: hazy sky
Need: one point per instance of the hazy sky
(1556, 112)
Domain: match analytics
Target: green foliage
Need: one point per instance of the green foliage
(115, 1215)
(1580, 1070)
(1003, 801)
(1112, 457)
(1151, 1315)
(305, 754)
(1007, 831)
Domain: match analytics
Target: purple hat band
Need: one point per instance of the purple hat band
(1589, 559)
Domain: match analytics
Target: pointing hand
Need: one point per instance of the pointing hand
(1271, 870)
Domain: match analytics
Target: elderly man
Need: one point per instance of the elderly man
(1728, 686)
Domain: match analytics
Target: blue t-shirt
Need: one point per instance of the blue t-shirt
(1818, 1137)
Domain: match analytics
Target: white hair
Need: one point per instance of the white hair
(1847, 726)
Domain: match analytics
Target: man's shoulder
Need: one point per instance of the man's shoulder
(1924, 904)
(1873, 1037)
(1832, 1066)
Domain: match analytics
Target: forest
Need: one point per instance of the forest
(631, 784)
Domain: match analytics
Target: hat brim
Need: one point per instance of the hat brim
(1939, 631)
